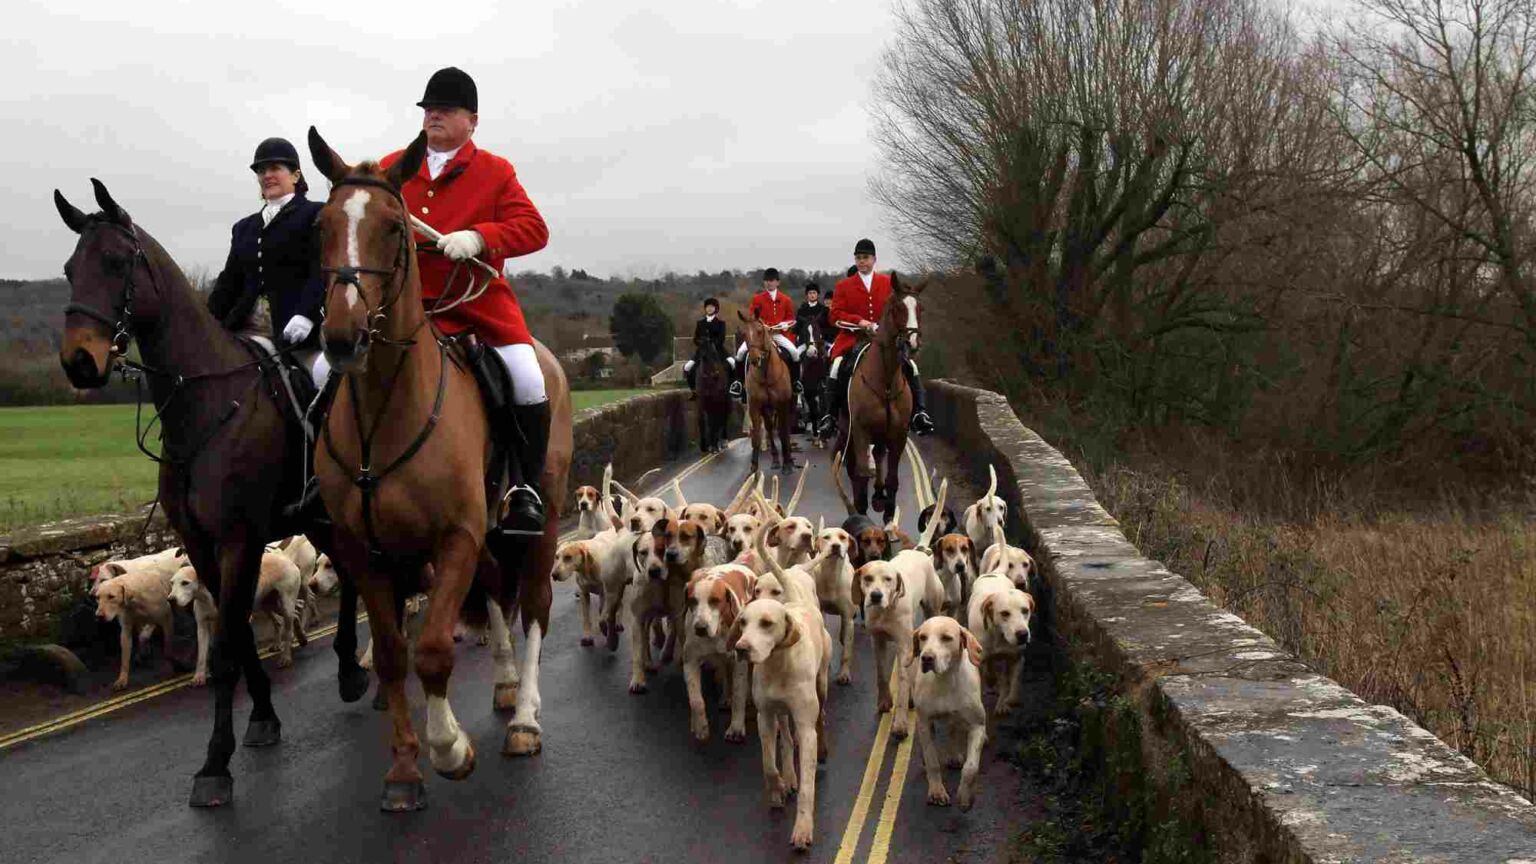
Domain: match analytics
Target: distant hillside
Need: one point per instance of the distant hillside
(563, 307)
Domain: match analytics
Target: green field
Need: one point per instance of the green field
(62, 461)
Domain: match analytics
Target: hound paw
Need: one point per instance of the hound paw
(967, 799)
(954, 762)
(844, 678)
(200, 679)
(587, 641)
(736, 734)
(937, 796)
(284, 661)
(800, 840)
(899, 731)
(121, 683)
(637, 687)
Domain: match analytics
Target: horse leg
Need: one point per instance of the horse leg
(534, 595)
(881, 503)
(858, 480)
(403, 790)
(351, 679)
(784, 430)
(448, 745)
(213, 786)
(891, 482)
(757, 431)
(399, 596)
(503, 656)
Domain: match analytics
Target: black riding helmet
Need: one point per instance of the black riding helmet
(275, 150)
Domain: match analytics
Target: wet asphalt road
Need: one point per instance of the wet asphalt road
(619, 778)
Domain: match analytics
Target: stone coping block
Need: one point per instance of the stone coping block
(1289, 765)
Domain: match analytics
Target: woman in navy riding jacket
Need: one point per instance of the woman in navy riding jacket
(274, 253)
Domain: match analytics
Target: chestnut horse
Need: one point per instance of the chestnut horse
(880, 402)
(770, 399)
(406, 491)
(230, 456)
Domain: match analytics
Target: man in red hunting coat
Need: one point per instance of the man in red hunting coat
(858, 302)
(472, 197)
(773, 308)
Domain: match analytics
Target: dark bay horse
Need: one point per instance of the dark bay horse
(403, 474)
(713, 379)
(813, 373)
(770, 399)
(231, 456)
(880, 402)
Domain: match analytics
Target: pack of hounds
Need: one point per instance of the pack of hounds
(738, 592)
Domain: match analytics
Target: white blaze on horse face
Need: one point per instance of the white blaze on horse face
(911, 304)
(354, 207)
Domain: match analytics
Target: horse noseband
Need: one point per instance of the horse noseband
(347, 276)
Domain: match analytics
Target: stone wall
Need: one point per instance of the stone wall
(44, 570)
(1265, 759)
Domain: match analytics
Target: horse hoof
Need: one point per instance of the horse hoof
(505, 697)
(263, 733)
(613, 638)
(403, 797)
(380, 701)
(522, 741)
(352, 682)
(212, 791)
(464, 770)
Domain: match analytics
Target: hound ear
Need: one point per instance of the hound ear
(857, 588)
(115, 569)
(326, 160)
(901, 587)
(986, 611)
(107, 205)
(792, 629)
(733, 635)
(917, 637)
(588, 563)
(69, 213)
(773, 536)
(410, 162)
(719, 522)
(972, 646)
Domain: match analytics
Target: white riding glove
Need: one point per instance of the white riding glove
(297, 329)
(460, 245)
(732, 361)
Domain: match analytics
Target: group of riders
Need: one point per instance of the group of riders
(473, 199)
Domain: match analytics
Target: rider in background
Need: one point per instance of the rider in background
(474, 200)
(274, 253)
(812, 313)
(777, 311)
(859, 300)
(707, 330)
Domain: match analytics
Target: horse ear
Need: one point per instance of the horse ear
(918, 288)
(69, 212)
(410, 161)
(742, 315)
(325, 158)
(108, 206)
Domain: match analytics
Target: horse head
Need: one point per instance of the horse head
(904, 314)
(759, 343)
(366, 250)
(111, 287)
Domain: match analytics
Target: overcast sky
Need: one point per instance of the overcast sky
(688, 136)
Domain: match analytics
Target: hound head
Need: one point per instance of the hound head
(712, 605)
(666, 536)
(881, 584)
(574, 560)
(739, 531)
(708, 517)
(795, 533)
(646, 513)
(649, 562)
(587, 499)
(183, 586)
(111, 598)
(1008, 613)
(953, 554)
(764, 626)
(1010, 561)
(325, 580)
(834, 543)
(940, 643)
(873, 544)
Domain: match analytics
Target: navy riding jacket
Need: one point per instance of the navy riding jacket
(280, 260)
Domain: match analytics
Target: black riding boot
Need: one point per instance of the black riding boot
(525, 502)
(309, 507)
(921, 423)
(836, 396)
(794, 375)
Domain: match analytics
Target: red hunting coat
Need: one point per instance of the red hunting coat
(476, 190)
(850, 302)
(773, 312)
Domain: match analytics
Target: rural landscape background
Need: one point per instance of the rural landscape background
(1271, 287)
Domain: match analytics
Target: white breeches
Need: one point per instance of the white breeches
(837, 363)
(780, 340)
(688, 367)
(319, 368)
(527, 378)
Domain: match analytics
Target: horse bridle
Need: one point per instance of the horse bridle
(348, 275)
(121, 334)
